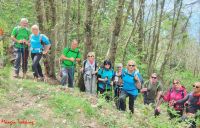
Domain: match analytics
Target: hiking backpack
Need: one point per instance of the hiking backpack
(17, 31)
(69, 49)
(84, 63)
(60, 61)
(42, 43)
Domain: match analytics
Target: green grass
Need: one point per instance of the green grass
(69, 105)
(73, 110)
(32, 114)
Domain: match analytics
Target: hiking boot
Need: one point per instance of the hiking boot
(16, 75)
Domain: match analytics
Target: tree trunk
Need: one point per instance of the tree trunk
(88, 28)
(67, 15)
(131, 34)
(52, 54)
(117, 25)
(47, 13)
(40, 14)
(171, 41)
(133, 11)
(49, 60)
(150, 66)
(78, 21)
(126, 16)
(53, 13)
(88, 38)
(141, 30)
(158, 34)
(148, 37)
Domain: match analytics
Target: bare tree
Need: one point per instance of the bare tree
(40, 14)
(176, 16)
(150, 68)
(67, 16)
(48, 63)
(117, 25)
(132, 35)
(88, 28)
(158, 33)
(141, 30)
(78, 21)
(88, 37)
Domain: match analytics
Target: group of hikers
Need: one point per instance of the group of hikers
(124, 81)
(24, 39)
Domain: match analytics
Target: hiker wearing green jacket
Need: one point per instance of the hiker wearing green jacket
(69, 58)
(152, 89)
(20, 36)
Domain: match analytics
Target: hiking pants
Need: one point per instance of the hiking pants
(122, 101)
(36, 67)
(67, 76)
(90, 84)
(21, 54)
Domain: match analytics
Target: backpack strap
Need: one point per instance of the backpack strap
(126, 73)
(17, 31)
(102, 71)
(170, 91)
(69, 49)
(158, 85)
(95, 65)
(148, 84)
(198, 103)
(182, 93)
(135, 73)
(41, 40)
(77, 54)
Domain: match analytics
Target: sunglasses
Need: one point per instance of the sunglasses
(154, 77)
(131, 65)
(107, 64)
(194, 86)
(90, 56)
(175, 82)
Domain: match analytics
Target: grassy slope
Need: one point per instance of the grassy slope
(49, 107)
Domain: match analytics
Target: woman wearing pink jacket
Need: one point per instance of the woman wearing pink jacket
(175, 93)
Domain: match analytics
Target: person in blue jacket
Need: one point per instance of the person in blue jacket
(105, 77)
(39, 45)
(131, 84)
